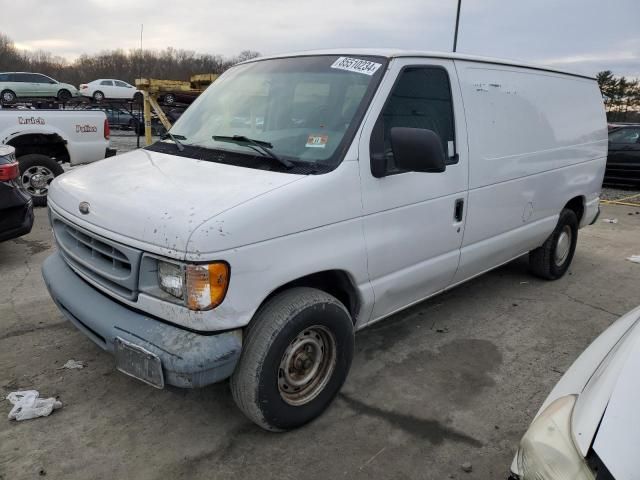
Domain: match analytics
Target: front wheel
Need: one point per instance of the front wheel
(296, 355)
(64, 96)
(36, 174)
(552, 259)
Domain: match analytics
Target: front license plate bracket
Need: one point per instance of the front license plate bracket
(138, 362)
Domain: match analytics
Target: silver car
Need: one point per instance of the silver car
(14, 85)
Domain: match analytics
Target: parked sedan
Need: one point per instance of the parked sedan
(14, 85)
(179, 96)
(588, 427)
(16, 209)
(623, 160)
(109, 88)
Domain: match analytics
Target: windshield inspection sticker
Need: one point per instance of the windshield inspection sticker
(356, 65)
(317, 141)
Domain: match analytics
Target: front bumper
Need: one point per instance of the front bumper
(188, 359)
(16, 221)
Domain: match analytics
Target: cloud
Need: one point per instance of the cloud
(576, 33)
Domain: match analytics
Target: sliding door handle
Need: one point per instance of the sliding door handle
(458, 210)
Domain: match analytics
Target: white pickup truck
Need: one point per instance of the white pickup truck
(44, 139)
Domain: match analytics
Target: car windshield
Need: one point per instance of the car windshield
(303, 109)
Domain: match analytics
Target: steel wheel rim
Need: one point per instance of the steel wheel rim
(36, 180)
(307, 365)
(563, 245)
(7, 96)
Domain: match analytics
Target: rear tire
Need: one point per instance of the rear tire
(37, 171)
(98, 96)
(552, 259)
(8, 96)
(296, 355)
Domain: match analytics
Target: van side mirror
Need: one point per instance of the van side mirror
(417, 150)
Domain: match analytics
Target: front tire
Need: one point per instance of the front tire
(37, 171)
(552, 259)
(64, 96)
(296, 355)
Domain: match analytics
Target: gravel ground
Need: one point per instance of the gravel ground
(617, 193)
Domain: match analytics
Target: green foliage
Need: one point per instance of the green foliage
(621, 96)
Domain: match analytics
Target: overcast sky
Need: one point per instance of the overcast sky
(581, 35)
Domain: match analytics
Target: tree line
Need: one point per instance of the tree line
(621, 96)
(169, 64)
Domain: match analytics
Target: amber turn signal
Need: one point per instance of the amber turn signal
(206, 285)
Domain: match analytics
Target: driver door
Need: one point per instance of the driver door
(413, 221)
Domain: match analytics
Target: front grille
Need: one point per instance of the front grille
(109, 264)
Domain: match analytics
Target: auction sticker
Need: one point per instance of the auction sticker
(317, 141)
(356, 65)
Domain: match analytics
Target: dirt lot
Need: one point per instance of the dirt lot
(455, 379)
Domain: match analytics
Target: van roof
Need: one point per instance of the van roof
(398, 53)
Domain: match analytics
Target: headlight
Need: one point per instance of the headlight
(201, 287)
(171, 278)
(547, 450)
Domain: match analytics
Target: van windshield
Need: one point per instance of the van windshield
(305, 110)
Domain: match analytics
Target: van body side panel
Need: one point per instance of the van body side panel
(536, 140)
(412, 237)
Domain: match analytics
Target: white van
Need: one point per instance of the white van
(303, 197)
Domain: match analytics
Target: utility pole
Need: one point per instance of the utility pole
(140, 120)
(455, 37)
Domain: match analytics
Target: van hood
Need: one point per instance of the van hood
(150, 199)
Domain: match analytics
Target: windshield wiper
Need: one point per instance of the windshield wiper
(258, 145)
(175, 139)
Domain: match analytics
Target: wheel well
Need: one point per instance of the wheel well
(334, 282)
(52, 145)
(577, 205)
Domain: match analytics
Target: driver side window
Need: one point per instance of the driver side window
(421, 98)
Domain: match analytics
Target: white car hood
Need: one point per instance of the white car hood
(149, 199)
(618, 437)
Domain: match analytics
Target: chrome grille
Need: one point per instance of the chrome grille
(111, 265)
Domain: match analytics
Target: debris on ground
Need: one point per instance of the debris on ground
(610, 220)
(466, 467)
(634, 258)
(28, 405)
(72, 364)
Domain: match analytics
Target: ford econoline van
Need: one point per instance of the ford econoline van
(303, 197)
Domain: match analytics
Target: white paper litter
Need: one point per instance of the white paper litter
(71, 364)
(28, 405)
(634, 258)
(610, 220)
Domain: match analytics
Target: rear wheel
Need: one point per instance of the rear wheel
(64, 95)
(36, 174)
(8, 96)
(552, 259)
(98, 96)
(169, 99)
(296, 355)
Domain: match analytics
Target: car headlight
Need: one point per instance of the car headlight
(202, 287)
(547, 450)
